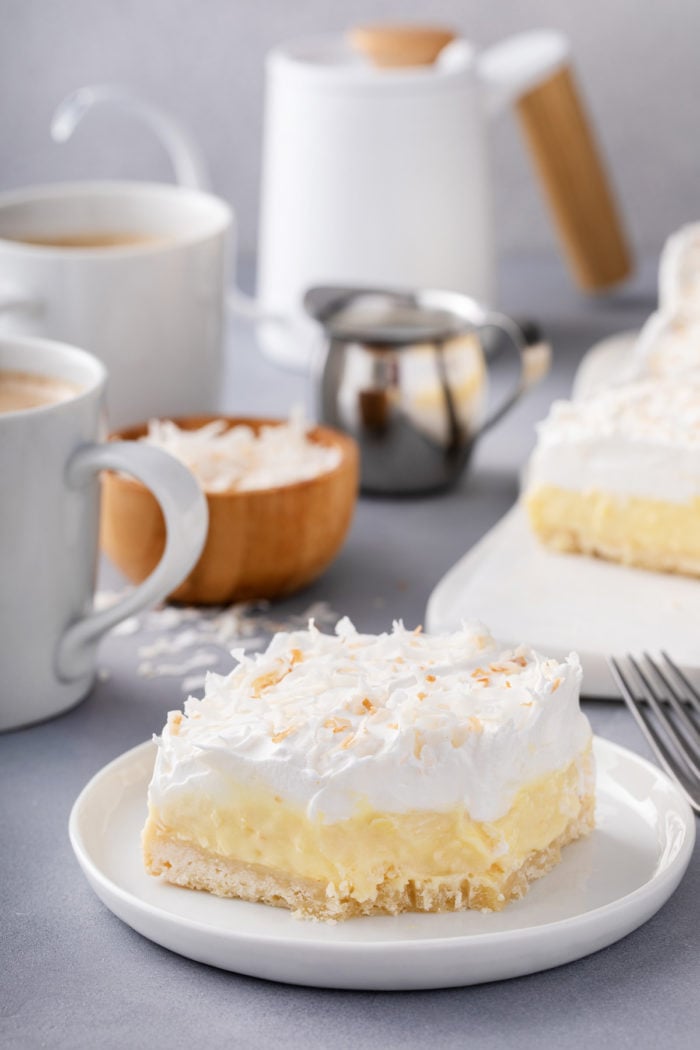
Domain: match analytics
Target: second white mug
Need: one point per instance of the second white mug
(50, 458)
(135, 273)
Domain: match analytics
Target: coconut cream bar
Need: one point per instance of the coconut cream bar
(350, 774)
(618, 476)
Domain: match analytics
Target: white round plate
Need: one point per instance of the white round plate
(606, 886)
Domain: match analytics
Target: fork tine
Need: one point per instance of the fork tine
(693, 694)
(666, 759)
(676, 702)
(653, 739)
(665, 720)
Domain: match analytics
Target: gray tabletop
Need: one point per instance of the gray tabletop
(72, 975)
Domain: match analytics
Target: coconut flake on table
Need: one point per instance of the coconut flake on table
(181, 641)
(225, 459)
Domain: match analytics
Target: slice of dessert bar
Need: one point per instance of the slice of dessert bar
(618, 475)
(349, 774)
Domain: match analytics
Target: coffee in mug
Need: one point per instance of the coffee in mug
(22, 390)
(90, 239)
(134, 272)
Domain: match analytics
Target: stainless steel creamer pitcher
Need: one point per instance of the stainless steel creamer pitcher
(407, 374)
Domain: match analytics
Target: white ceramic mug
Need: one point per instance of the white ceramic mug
(50, 458)
(151, 310)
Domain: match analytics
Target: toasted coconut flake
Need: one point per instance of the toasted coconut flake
(174, 722)
(459, 735)
(337, 725)
(277, 737)
(264, 681)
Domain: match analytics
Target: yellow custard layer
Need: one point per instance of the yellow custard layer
(653, 534)
(357, 855)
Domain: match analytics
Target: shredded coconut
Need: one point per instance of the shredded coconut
(240, 459)
(204, 637)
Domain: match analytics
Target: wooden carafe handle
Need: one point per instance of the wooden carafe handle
(569, 164)
(562, 145)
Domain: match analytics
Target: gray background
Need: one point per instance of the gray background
(637, 61)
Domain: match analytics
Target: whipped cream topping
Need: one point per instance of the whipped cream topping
(225, 459)
(399, 722)
(679, 273)
(668, 346)
(669, 342)
(641, 439)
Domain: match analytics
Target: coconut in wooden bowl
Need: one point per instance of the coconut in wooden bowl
(277, 517)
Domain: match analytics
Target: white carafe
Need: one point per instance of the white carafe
(376, 169)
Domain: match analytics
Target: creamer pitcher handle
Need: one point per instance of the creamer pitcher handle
(533, 359)
(534, 70)
(185, 155)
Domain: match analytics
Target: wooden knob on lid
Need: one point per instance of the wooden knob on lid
(390, 46)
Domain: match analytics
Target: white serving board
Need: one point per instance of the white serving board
(563, 602)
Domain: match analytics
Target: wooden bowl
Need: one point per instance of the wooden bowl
(265, 543)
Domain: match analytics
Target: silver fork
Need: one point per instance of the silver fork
(668, 713)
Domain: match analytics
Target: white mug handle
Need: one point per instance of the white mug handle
(185, 155)
(186, 520)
